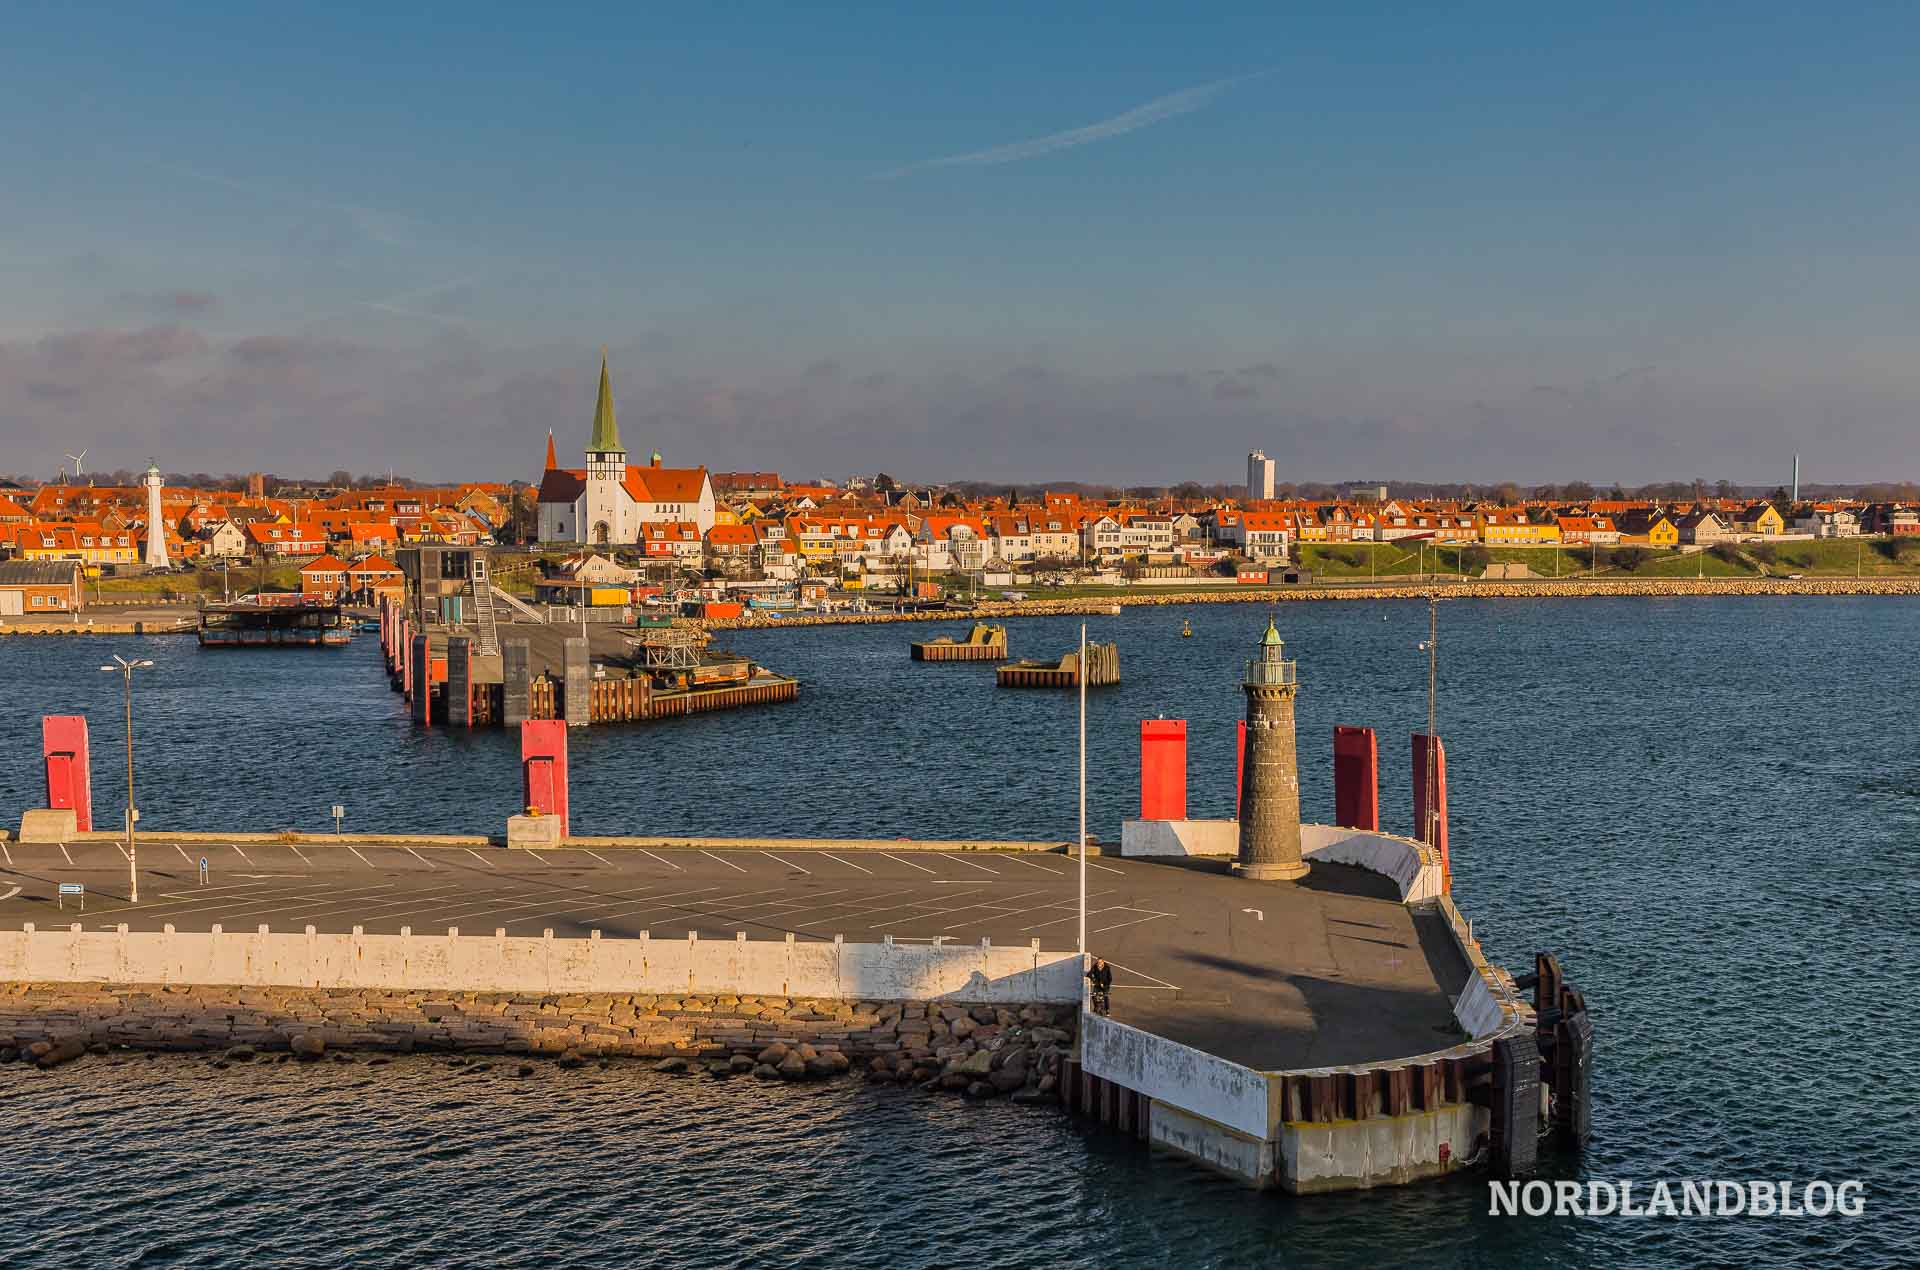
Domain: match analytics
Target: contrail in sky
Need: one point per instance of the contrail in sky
(386, 227)
(1183, 102)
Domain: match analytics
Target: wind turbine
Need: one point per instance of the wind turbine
(77, 459)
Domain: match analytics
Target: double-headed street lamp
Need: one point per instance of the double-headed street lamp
(125, 669)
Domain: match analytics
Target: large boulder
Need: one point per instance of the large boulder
(59, 1052)
(792, 1067)
(309, 1046)
(671, 1065)
(962, 1027)
(774, 1054)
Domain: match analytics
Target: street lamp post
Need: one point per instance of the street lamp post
(125, 669)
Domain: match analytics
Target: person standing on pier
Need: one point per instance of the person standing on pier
(1100, 975)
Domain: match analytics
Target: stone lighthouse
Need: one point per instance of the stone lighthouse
(156, 556)
(1270, 782)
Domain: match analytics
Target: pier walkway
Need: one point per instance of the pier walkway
(1335, 971)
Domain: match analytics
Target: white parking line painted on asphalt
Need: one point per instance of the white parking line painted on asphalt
(1043, 868)
(706, 907)
(1112, 908)
(1135, 922)
(790, 864)
(8, 854)
(670, 864)
(1143, 974)
(422, 859)
(10, 894)
(653, 901)
(543, 897)
(66, 853)
(201, 891)
(466, 904)
(602, 859)
(998, 910)
(730, 864)
(963, 860)
(240, 901)
(476, 855)
(297, 905)
(360, 857)
(183, 853)
(365, 908)
(240, 853)
(850, 864)
(1104, 868)
(124, 853)
(910, 864)
(657, 903)
(303, 855)
(858, 899)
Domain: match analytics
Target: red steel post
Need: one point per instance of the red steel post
(543, 761)
(1356, 779)
(63, 746)
(1163, 769)
(1430, 822)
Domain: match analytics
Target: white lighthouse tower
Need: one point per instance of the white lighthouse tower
(156, 557)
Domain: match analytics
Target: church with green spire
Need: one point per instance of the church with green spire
(610, 502)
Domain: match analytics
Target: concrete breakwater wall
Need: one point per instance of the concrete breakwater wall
(975, 973)
(1563, 588)
(980, 1050)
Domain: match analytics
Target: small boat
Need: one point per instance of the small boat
(1186, 630)
(367, 627)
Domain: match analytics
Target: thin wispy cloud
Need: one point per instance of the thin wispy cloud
(1160, 109)
(390, 228)
(392, 304)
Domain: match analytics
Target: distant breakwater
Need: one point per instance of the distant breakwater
(1564, 588)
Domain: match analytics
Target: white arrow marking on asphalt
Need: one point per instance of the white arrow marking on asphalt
(10, 894)
(1258, 915)
(268, 875)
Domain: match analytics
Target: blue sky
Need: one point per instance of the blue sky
(1437, 242)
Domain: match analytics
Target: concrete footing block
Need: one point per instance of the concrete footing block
(49, 824)
(534, 832)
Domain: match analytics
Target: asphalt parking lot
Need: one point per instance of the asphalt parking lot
(1332, 971)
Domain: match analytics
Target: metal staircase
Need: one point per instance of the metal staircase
(518, 605)
(483, 618)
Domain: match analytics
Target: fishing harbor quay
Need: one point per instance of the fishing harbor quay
(1293, 1006)
(465, 653)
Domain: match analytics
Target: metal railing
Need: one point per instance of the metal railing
(1261, 671)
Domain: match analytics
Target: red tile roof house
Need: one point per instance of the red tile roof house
(325, 576)
(375, 573)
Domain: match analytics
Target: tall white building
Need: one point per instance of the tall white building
(609, 500)
(1259, 476)
(156, 557)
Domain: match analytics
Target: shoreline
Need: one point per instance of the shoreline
(1472, 590)
(166, 621)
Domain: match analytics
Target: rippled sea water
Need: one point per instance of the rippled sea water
(1709, 807)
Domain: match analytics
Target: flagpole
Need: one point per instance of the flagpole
(1083, 788)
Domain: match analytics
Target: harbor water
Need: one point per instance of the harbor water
(1710, 808)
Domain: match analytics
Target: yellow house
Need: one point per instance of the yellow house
(1762, 518)
(1510, 528)
(1656, 529)
(87, 543)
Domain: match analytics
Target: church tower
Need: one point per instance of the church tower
(606, 469)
